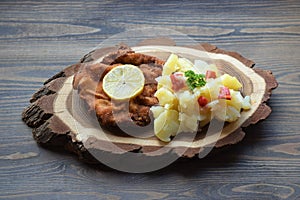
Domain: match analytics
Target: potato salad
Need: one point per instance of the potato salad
(190, 95)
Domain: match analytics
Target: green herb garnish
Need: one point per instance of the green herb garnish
(194, 80)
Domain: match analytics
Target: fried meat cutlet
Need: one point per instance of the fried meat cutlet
(88, 82)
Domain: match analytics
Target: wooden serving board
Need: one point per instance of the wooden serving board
(52, 114)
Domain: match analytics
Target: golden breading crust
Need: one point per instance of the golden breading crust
(88, 82)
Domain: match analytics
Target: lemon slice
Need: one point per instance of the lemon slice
(123, 82)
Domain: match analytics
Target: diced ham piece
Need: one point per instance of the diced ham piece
(210, 74)
(224, 93)
(178, 81)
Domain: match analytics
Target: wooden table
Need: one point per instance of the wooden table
(38, 40)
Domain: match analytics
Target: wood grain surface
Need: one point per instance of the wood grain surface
(38, 39)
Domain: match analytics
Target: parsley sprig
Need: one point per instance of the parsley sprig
(194, 80)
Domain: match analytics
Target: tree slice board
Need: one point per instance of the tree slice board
(53, 120)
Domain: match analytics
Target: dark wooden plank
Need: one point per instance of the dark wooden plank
(38, 39)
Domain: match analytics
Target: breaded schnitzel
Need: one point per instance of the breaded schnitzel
(88, 82)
